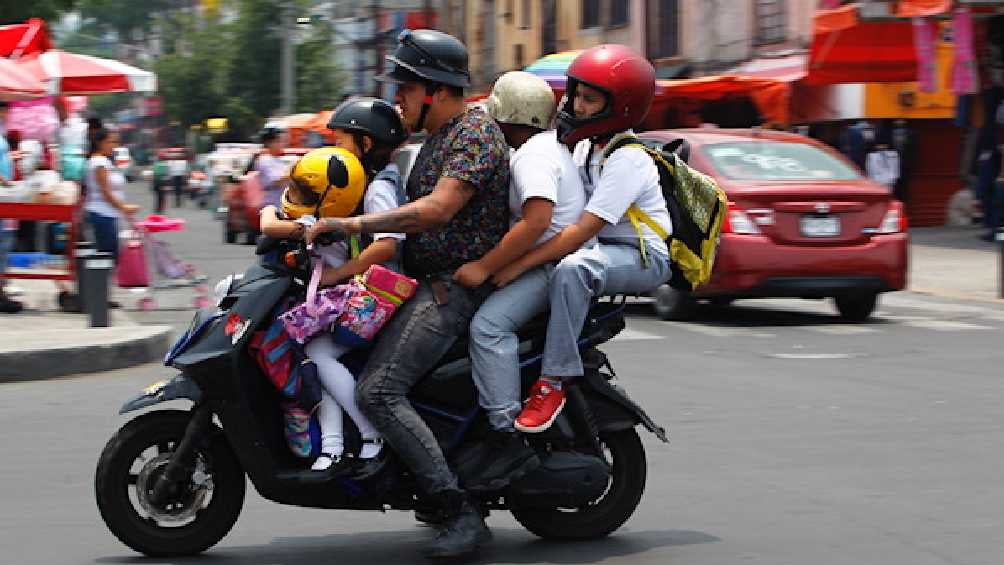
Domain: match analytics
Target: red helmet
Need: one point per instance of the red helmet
(624, 77)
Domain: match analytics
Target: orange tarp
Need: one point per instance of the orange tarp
(770, 96)
(920, 8)
(847, 50)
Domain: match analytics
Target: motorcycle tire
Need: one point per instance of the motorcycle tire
(115, 480)
(607, 513)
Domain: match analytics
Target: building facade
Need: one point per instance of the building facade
(698, 36)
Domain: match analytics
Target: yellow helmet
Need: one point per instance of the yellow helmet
(328, 182)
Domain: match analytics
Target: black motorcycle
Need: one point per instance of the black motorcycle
(171, 482)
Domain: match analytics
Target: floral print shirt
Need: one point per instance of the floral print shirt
(471, 148)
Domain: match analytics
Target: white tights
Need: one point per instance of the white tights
(338, 394)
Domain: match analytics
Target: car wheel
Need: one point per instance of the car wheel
(856, 307)
(673, 304)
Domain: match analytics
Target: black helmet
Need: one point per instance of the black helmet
(371, 116)
(431, 56)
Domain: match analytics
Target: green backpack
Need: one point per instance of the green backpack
(696, 204)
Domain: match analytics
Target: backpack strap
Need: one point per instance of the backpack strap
(354, 246)
(634, 214)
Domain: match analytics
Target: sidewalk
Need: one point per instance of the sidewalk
(954, 263)
(42, 342)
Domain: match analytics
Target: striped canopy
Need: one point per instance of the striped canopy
(552, 68)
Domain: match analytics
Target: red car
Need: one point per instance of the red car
(243, 200)
(802, 222)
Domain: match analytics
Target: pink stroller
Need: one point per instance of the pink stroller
(168, 270)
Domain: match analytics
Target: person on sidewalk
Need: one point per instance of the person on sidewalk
(458, 211)
(546, 195)
(8, 227)
(882, 166)
(105, 204)
(270, 165)
(610, 89)
(177, 168)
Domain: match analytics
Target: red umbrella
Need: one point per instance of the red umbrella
(69, 73)
(18, 40)
(17, 83)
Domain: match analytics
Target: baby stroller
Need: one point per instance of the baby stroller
(141, 249)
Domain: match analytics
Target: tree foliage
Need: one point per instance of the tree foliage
(17, 11)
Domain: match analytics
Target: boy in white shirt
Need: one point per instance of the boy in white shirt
(610, 89)
(545, 196)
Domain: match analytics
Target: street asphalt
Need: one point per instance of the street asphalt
(796, 439)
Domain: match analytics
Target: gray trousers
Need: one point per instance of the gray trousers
(408, 347)
(494, 345)
(602, 269)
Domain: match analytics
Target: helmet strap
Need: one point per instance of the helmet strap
(430, 89)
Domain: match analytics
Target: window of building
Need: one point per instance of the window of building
(524, 16)
(590, 13)
(771, 22)
(663, 28)
(619, 10)
(519, 56)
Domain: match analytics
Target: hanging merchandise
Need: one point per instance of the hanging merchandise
(923, 39)
(964, 78)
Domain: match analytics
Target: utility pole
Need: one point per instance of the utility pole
(377, 49)
(287, 64)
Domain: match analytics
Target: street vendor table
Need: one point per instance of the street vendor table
(46, 212)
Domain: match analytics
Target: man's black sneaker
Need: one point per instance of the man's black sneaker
(463, 530)
(503, 458)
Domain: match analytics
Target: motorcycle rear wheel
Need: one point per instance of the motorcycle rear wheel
(605, 514)
(117, 487)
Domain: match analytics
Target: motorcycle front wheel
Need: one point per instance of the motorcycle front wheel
(200, 511)
(626, 455)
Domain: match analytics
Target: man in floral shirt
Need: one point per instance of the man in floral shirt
(458, 211)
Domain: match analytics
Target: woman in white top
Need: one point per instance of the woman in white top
(106, 202)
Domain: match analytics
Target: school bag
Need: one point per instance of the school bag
(697, 207)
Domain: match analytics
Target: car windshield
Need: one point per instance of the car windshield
(771, 160)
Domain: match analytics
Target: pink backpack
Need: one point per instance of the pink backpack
(131, 270)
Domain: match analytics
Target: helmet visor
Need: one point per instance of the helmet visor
(302, 193)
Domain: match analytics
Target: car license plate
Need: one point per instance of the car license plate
(820, 226)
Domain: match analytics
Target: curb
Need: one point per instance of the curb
(143, 344)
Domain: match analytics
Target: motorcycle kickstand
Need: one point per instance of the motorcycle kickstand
(178, 466)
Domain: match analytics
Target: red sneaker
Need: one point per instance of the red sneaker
(543, 406)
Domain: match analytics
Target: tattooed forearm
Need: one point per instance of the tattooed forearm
(406, 219)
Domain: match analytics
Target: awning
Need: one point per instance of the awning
(18, 40)
(921, 8)
(771, 96)
(71, 73)
(787, 68)
(847, 50)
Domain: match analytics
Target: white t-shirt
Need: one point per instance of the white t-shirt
(629, 177)
(543, 168)
(883, 167)
(116, 182)
(177, 167)
(381, 195)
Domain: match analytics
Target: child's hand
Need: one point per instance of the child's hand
(507, 275)
(471, 275)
